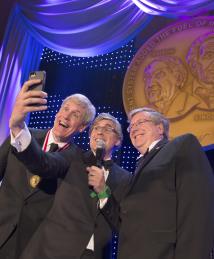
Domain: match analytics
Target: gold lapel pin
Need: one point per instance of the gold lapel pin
(34, 181)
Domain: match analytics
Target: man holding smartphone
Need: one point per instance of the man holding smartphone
(74, 227)
(25, 198)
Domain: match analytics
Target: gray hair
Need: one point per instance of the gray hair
(85, 103)
(155, 116)
(107, 116)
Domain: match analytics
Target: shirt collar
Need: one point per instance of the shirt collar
(150, 147)
(52, 140)
(153, 144)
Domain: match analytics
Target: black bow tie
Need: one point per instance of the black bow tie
(53, 147)
(142, 158)
(107, 164)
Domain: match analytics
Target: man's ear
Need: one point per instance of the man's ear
(82, 128)
(118, 143)
(160, 129)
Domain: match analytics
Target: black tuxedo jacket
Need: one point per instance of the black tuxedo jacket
(22, 208)
(168, 209)
(74, 216)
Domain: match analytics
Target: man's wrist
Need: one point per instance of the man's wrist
(22, 140)
(16, 129)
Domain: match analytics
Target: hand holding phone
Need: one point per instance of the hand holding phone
(38, 75)
(28, 101)
(41, 75)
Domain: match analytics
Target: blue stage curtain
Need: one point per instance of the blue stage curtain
(83, 28)
(76, 27)
(19, 54)
(174, 8)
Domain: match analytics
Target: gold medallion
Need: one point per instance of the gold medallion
(173, 72)
(34, 181)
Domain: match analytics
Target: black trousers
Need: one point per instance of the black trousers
(88, 254)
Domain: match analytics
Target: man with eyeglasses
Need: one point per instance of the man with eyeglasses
(167, 211)
(74, 227)
(107, 129)
(25, 197)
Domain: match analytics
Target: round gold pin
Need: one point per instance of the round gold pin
(34, 181)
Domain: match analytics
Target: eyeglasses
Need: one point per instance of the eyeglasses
(105, 129)
(137, 124)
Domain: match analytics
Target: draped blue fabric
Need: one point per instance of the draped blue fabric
(74, 27)
(83, 28)
(19, 54)
(174, 8)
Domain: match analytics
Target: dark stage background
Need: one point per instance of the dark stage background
(101, 79)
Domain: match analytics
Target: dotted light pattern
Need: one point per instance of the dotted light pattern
(125, 156)
(116, 60)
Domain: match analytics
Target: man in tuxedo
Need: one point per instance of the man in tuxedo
(26, 198)
(107, 129)
(167, 211)
(74, 227)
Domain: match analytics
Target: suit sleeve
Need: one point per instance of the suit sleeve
(111, 210)
(4, 150)
(195, 202)
(45, 164)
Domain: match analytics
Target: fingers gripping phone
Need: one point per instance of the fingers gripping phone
(38, 75)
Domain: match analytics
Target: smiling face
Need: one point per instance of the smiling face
(143, 131)
(68, 121)
(104, 130)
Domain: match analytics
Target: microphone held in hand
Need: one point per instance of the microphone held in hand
(99, 155)
(100, 152)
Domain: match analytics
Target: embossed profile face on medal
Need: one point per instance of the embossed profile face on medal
(173, 72)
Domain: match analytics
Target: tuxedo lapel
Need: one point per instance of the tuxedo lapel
(113, 177)
(40, 137)
(89, 158)
(146, 160)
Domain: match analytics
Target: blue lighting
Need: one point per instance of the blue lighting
(114, 64)
(125, 156)
(116, 60)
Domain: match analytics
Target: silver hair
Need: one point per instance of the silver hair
(85, 103)
(107, 116)
(155, 116)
